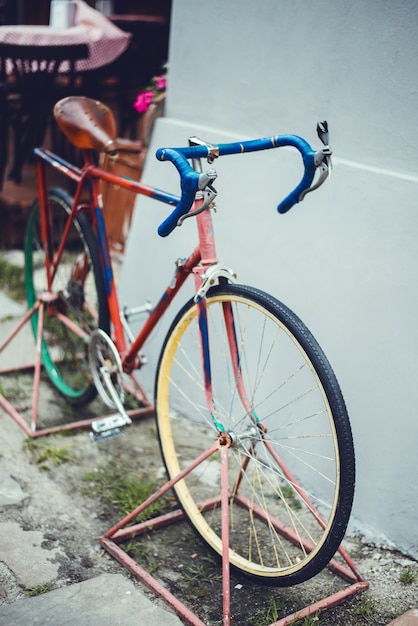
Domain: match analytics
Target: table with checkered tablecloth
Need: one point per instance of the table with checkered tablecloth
(105, 41)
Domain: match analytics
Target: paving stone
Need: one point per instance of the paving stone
(408, 619)
(22, 552)
(10, 490)
(21, 349)
(10, 308)
(108, 600)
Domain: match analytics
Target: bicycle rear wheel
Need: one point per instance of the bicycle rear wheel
(291, 462)
(77, 302)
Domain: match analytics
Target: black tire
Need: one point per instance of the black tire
(292, 449)
(77, 291)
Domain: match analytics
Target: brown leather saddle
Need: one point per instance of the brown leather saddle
(90, 125)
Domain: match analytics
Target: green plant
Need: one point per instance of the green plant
(289, 496)
(265, 618)
(38, 590)
(273, 611)
(12, 280)
(131, 402)
(196, 570)
(366, 609)
(311, 620)
(408, 576)
(13, 389)
(115, 485)
(137, 550)
(46, 455)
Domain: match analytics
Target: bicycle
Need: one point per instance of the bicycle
(237, 367)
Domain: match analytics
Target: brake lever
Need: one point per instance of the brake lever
(324, 172)
(322, 159)
(210, 193)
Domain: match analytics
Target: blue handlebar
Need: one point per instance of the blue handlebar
(190, 178)
(189, 181)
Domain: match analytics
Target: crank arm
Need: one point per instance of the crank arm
(111, 425)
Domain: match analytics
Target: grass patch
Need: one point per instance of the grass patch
(131, 402)
(12, 280)
(311, 620)
(366, 609)
(13, 388)
(290, 497)
(116, 486)
(197, 568)
(271, 615)
(38, 590)
(408, 576)
(46, 455)
(275, 610)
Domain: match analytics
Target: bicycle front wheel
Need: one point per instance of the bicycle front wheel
(290, 456)
(75, 302)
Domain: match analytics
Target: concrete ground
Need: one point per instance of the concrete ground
(106, 600)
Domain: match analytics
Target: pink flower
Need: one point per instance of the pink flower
(143, 101)
(145, 98)
(161, 82)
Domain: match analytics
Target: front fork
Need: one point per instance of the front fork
(220, 273)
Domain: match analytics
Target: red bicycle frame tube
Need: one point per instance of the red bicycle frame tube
(199, 260)
(203, 256)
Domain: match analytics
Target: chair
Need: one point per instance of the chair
(32, 79)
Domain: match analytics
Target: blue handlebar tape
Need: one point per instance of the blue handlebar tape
(190, 179)
(305, 183)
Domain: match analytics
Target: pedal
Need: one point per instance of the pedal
(109, 426)
(107, 434)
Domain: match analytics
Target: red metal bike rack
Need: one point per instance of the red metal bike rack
(122, 532)
(31, 429)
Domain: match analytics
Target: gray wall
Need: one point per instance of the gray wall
(346, 258)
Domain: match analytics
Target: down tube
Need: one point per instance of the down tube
(110, 287)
